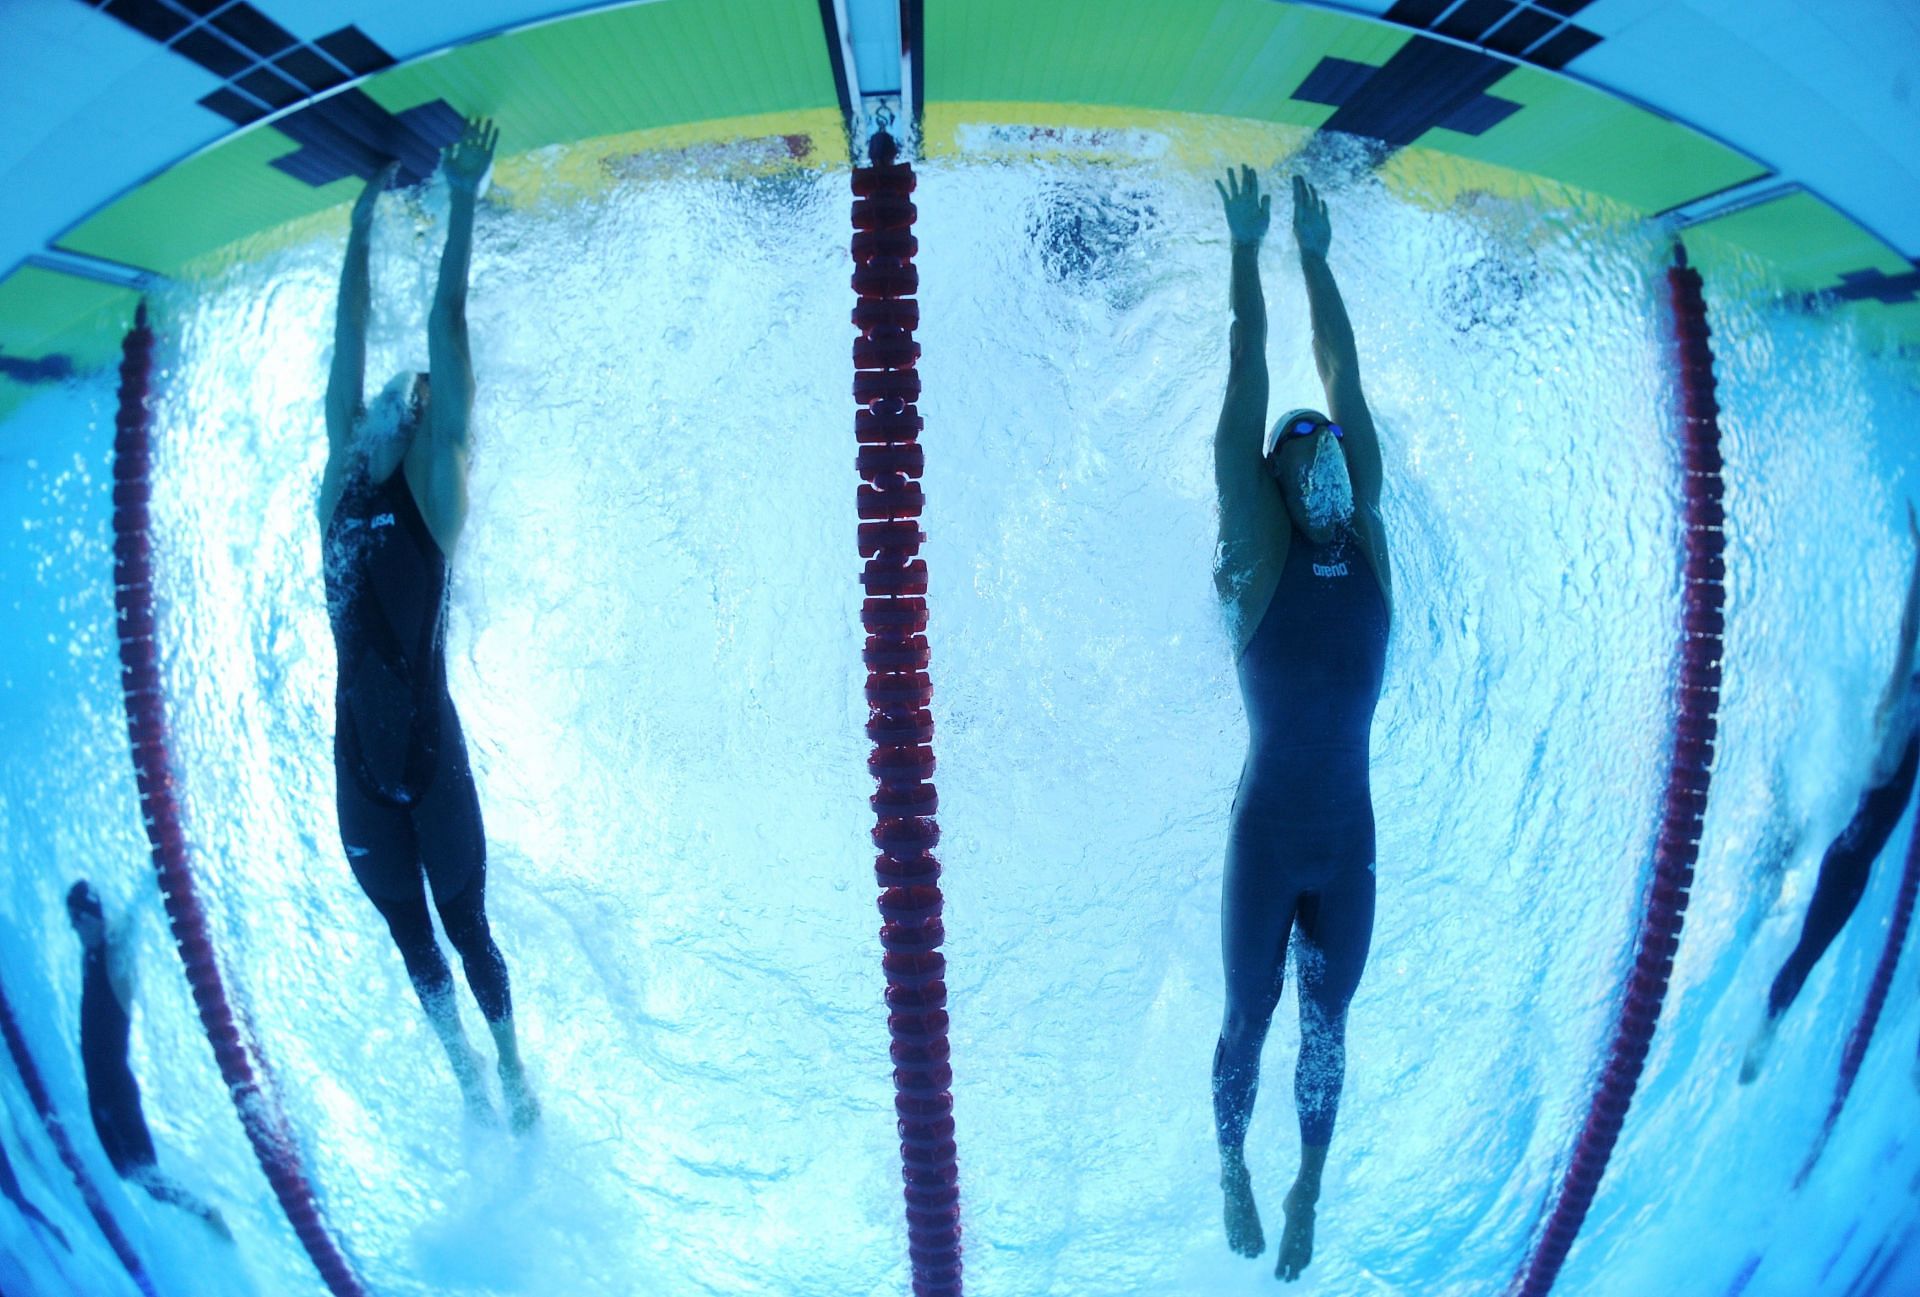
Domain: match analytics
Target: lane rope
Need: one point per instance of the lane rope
(144, 695)
(1689, 774)
(899, 690)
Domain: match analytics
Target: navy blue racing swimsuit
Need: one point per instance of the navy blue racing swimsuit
(1310, 679)
(406, 793)
(113, 1096)
(1300, 847)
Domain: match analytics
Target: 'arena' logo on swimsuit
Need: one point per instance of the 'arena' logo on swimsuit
(1329, 569)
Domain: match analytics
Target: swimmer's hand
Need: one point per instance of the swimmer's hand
(467, 159)
(1311, 228)
(363, 205)
(1247, 212)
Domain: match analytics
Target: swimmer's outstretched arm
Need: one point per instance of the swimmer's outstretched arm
(1334, 353)
(1249, 506)
(346, 381)
(450, 361)
(1891, 722)
(163, 1188)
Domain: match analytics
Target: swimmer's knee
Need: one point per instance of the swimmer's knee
(465, 921)
(1244, 1023)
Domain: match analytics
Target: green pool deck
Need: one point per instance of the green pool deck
(671, 75)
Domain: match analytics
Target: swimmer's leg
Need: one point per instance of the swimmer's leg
(1843, 881)
(1256, 913)
(412, 930)
(380, 846)
(1336, 933)
(453, 843)
(465, 919)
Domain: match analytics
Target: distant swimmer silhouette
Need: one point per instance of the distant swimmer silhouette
(10, 1189)
(1849, 859)
(1302, 568)
(392, 505)
(106, 1022)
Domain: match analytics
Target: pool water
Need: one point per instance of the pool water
(654, 646)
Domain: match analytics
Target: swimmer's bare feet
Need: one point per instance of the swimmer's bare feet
(479, 1109)
(1296, 1242)
(1757, 1052)
(522, 1108)
(1243, 1216)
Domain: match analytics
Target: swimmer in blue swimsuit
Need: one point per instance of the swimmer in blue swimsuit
(392, 505)
(1849, 859)
(1302, 569)
(106, 1025)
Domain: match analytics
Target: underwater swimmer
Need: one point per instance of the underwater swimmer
(392, 505)
(1302, 568)
(1849, 859)
(106, 1025)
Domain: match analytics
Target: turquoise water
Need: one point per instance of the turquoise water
(654, 647)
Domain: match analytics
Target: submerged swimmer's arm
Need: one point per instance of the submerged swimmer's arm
(1334, 352)
(1892, 726)
(346, 381)
(1249, 506)
(449, 357)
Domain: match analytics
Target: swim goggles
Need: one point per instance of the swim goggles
(1307, 427)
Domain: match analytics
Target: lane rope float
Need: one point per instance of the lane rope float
(899, 690)
(42, 1102)
(1689, 774)
(144, 695)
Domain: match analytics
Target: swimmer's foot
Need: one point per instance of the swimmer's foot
(523, 1110)
(473, 1089)
(1243, 1216)
(1296, 1243)
(1757, 1051)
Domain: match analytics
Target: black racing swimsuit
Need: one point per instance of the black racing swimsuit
(1310, 678)
(113, 1096)
(387, 597)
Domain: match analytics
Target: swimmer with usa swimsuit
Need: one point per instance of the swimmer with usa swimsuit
(1303, 571)
(392, 505)
(1849, 858)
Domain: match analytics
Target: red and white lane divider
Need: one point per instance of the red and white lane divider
(886, 386)
(141, 685)
(1689, 773)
